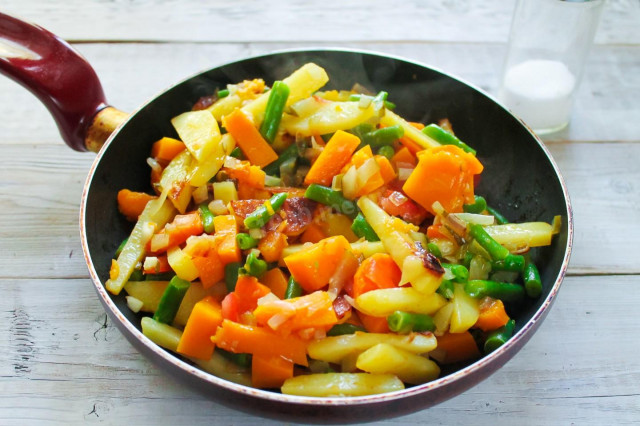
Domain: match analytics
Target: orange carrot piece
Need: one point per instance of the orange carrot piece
(255, 148)
(182, 227)
(458, 347)
(271, 245)
(248, 174)
(386, 169)
(333, 157)
(270, 371)
(249, 290)
(376, 272)
(203, 322)
(167, 148)
(434, 232)
(312, 267)
(210, 269)
(374, 324)
(240, 338)
(131, 203)
(492, 315)
(226, 229)
(404, 156)
(444, 174)
(276, 280)
(358, 158)
(312, 234)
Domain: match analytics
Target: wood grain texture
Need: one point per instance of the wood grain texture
(60, 359)
(606, 107)
(335, 20)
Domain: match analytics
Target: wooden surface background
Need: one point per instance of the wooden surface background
(61, 360)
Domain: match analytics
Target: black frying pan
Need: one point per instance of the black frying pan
(520, 179)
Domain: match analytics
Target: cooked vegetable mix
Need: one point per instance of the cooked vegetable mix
(317, 243)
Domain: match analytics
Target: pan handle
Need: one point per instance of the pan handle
(61, 79)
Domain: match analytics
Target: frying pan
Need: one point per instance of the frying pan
(520, 179)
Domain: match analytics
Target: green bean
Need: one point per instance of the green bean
(443, 137)
(171, 299)
(207, 218)
(387, 104)
(446, 289)
(495, 250)
(532, 281)
(511, 263)
(500, 219)
(382, 137)
(262, 214)
(120, 247)
(293, 289)
(271, 181)
(242, 360)
(274, 168)
(434, 249)
(223, 93)
(406, 322)
(163, 276)
(466, 261)
(334, 199)
(507, 292)
(273, 111)
(237, 153)
(246, 241)
(460, 272)
(254, 266)
(344, 328)
(479, 205)
(499, 337)
(136, 275)
(362, 229)
(231, 271)
(386, 151)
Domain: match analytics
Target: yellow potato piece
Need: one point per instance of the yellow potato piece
(387, 359)
(384, 302)
(465, 310)
(341, 384)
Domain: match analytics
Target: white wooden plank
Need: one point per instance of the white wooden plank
(334, 20)
(606, 107)
(58, 361)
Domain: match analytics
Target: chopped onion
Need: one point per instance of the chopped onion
(349, 300)
(364, 102)
(159, 242)
(277, 320)
(472, 218)
(398, 198)
(404, 173)
(150, 263)
(345, 270)
(232, 162)
(365, 172)
(134, 304)
(217, 207)
(155, 166)
(336, 183)
(269, 297)
(319, 334)
(200, 194)
(257, 233)
(148, 229)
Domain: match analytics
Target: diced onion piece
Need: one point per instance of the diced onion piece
(159, 242)
(345, 270)
(404, 173)
(134, 304)
(336, 183)
(364, 102)
(155, 166)
(365, 172)
(200, 194)
(150, 264)
(257, 233)
(277, 320)
(269, 297)
(218, 207)
(349, 183)
(232, 162)
(478, 219)
(398, 198)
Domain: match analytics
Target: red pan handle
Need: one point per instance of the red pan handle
(62, 79)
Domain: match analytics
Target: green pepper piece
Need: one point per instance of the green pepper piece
(262, 214)
(362, 229)
(231, 271)
(273, 111)
(344, 328)
(443, 137)
(171, 300)
(495, 250)
(479, 205)
(293, 289)
(329, 197)
(207, 218)
(507, 292)
(406, 322)
(532, 281)
(499, 337)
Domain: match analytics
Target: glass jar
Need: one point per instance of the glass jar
(548, 46)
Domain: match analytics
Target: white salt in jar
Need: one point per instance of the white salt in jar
(548, 46)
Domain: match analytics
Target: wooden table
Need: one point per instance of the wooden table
(62, 360)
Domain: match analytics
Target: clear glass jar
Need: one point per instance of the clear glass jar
(548, 46)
